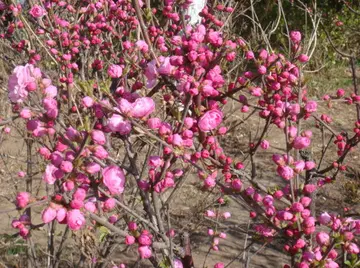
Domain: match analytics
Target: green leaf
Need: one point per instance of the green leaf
(103, 233)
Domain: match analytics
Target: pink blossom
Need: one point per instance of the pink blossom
(297, 207)
(303, 58)
(331, 264)
(51, 91)
(324, 218)
(25, 113)
(50, 105)
(145, 239)
(90, 206)
(299, 166)
(236, 184)
(37, 11)
(352, 248)
(18, 82)
(210, 120)
(98, 137)
(284, 215)
(75, 219)
(92, 168)
(156, 161)
(109, 204)
(49, 175)
(322, 238)
(165, 68)
(209, 182)
(129, 240)
(226, 215)
(154, 123)
(132, 226)
(48, 215)
(24, 232)
(100, 152)
(295, 36)
(264, 144)
(22, 199)
(87, 102)
(210, 214)
(285, 172)
(177, 263)
(114, 71)
(311, 106)
(61, 215)
(114, 179)
(142, 46)
(219, 265)
(301, 142)
(117, 123)
(66, 166)
(142, 107)
(79, 194)
(309, 165)
(151, 74)
(145, 252)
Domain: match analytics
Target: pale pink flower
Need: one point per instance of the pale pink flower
(114, 179)
(75, 219)
(301, 142)
(22, 199)
(98, 137)
(142, 46)
(19, 81)
(165, 68)
(353, 248)
(309, 165)
(51, 91)
(145, 239)
(25, 113)
(49, 174)
(142, 107)
(129, 240)
(151, 74)
(177, 263)
(154, 123)
(210, 214)
(92, 168)
(155, 161)
(100, 152)
(295, 36)
(114, 71)
(61, 214)
(37, 11)
(87, 102)
(299, 166)
(116, 123)
(284, 215)
(322, 238)
(210, 120)
(48, 215)
(90, 206)
(285, 172)
(145, 252)
(311, 106)
(324, 218)
(264, 144)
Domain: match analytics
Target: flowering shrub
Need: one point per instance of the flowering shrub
(131, 74)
